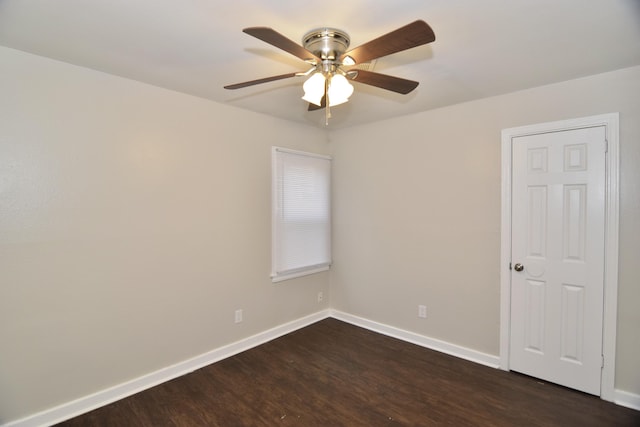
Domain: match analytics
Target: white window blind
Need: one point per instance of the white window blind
(301, 213)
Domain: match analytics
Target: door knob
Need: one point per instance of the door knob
(518, 267)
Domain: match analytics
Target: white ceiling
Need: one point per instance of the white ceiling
(482, 48)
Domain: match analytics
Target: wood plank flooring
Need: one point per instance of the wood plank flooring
(335, 374)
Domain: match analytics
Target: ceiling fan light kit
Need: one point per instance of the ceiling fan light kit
(326, 49)
(327, 80)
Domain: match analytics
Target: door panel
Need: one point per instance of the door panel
(535, 309)
(558, 184)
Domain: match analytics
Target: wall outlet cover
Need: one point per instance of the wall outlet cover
(422, 311)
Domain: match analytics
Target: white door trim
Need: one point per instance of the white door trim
(610, 121)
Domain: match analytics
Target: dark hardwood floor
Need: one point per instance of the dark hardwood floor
(335, 374)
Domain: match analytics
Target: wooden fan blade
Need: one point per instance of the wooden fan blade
(276, 39)
(323, 103)
(415, 34)
(384, 81)
(258, 81)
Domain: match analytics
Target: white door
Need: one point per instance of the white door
(557, 280)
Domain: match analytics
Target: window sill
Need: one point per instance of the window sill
(299, 273)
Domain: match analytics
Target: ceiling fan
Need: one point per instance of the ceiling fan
(333, 66)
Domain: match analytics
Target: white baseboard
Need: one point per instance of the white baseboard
(104, 397)
(626, 399)
(421, 340)
(622, 398)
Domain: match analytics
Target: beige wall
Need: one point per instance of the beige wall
(417, 213)
(133, 222)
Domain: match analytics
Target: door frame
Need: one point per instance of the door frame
(612, 160)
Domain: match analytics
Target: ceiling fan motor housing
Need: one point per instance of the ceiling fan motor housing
(326, 43)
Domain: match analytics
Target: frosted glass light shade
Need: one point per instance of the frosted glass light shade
(314, 89)
(339, 90)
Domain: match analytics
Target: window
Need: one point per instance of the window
(301, 228)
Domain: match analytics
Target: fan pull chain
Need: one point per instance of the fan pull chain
(327, 109)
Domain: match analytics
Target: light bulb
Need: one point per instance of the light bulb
(314, 89)
(348, 61)
(339, 90)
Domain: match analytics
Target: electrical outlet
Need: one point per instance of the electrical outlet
(320, 296)
(238, 317)
(422, 311)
